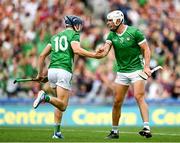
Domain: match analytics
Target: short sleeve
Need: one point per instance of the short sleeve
(109, 38)
(140, 38)
(52, 38)
(76, 37)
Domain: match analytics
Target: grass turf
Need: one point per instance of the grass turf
(86, 134)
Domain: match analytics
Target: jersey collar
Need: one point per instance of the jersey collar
(123, 31)
(69, 28)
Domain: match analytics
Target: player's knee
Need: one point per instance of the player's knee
(139, 98)
(63, 108)
(117, 103)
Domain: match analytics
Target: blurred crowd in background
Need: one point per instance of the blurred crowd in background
(26, 26)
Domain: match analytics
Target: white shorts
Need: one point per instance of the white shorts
(59, 77)
(127, 78)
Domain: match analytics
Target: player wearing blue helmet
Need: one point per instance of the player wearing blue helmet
(61, 49)
(74, 21)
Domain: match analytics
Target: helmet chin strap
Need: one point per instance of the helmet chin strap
(114, 30)
(77, 29)
(73, 26)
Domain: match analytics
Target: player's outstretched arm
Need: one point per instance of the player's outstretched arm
(80, 51)
(104, 50)
(100, 52)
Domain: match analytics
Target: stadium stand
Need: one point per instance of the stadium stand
(26, 27)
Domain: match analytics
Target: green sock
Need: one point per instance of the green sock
(57, 128)
(47, 98)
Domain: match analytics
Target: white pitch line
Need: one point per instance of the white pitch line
(71, 130)
(123, 132)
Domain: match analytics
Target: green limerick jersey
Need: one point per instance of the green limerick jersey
(127, 50)
(62, 55)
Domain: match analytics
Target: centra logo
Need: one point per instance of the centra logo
(25, 118)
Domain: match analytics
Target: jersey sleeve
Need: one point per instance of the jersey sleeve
(140, 38)
(76, 37)
(50, 42)
(109, 38)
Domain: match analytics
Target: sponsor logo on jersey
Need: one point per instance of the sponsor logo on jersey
(128, 38)
(121, 40)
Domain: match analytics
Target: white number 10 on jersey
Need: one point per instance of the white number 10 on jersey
(58, 43)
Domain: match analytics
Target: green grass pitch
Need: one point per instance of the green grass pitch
(86, 134)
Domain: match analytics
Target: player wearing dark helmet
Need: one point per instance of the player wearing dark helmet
(61, 49)
(74, 21)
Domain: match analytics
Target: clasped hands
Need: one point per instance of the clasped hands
(99, 53)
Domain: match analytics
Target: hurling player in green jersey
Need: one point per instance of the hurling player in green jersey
(129, 46)
(61, 49)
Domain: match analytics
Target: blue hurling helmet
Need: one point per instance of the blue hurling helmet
(72, 20)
